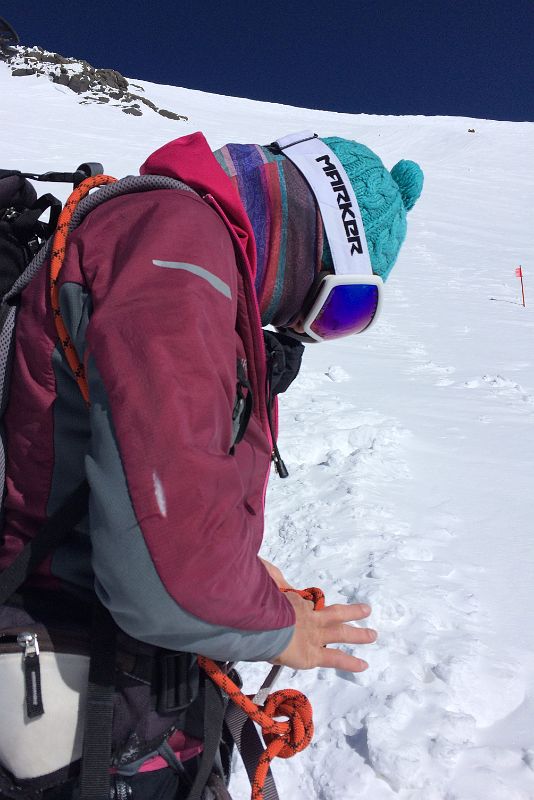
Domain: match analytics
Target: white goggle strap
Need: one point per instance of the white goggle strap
(336, 198)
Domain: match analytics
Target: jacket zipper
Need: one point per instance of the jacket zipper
(275, 453)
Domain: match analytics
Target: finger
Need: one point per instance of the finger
(337, 659)
(344, 613)
(347, 634)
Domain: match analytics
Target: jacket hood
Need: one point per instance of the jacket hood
(191, 160)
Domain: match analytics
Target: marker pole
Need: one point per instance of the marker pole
(522, 288)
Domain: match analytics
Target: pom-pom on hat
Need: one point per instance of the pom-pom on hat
(384, 198)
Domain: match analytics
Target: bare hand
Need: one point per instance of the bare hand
(276, 575)
(314, 630)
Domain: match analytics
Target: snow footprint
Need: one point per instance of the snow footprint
(472, 679)
(501, 386)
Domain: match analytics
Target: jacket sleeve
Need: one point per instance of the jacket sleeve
(176, 525)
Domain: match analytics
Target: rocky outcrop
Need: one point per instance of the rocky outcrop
(92, 84)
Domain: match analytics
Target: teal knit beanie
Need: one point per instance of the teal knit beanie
(384, 198)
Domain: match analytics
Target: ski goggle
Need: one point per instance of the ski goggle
(341, 305)
(350, 300)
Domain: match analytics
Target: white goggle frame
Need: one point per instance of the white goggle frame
(327, 284)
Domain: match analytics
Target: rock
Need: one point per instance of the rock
(82, 78)
(20, 72)
(146, 102)
(36, 55)
(7, 52)
(110, 77)
(79, 83)
(171, 115)
(62, 79)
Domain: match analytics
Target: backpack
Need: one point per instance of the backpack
(165, 691)
(136, 695)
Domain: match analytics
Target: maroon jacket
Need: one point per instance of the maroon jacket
(157, 294)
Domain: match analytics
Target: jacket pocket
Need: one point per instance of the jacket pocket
(243, 404)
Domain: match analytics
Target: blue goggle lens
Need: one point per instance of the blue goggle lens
(348, 309)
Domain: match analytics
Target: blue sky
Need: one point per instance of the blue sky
(463, 58)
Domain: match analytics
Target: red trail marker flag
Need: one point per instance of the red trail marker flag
(519, 274)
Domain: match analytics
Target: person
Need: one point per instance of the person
(164, 294)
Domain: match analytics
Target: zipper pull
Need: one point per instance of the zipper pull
(279, 465)
(276, 458)
(32, 674)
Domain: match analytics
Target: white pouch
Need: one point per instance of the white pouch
(43, 693)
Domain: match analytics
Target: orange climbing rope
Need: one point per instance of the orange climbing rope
(283, 739)
(56, 262)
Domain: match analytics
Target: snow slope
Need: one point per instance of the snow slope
(410, 448)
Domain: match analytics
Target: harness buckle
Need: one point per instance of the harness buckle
(178, 681)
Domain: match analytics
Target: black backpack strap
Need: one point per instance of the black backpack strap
(53, 532)
(97, 738)
(214, 711)
(27, 224)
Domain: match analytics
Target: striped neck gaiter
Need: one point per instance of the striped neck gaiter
(287, 227)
